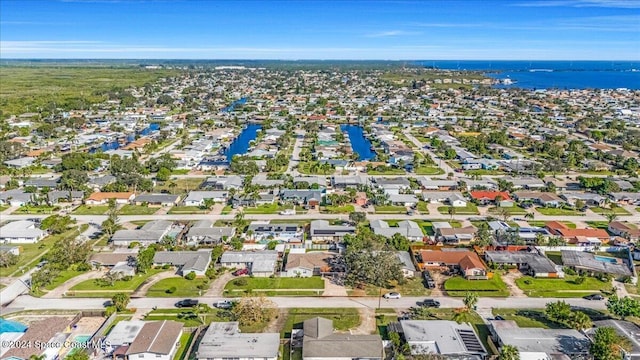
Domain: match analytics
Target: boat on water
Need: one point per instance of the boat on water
(540, 70)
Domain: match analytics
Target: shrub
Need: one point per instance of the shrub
(109, 310)
(569, 271)
(83, 267)
(166, 266)
(171, 290)
(190, 276)
(240, 282)
(528, 282)
(579, 280)
(127, 278)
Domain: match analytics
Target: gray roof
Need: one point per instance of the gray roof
(262, 180)
(405, 258)
(322, 228)
(189, 260)
(20, 162)
(42, 182)
(102, 180)
(152, 231)
(124, 332)
(21, 229)
(201, 195)
(304, 195)
(15, 194)
(320, 342)
(398, 181)
(258, 261)
(157, 198)
(56, 195)
(225, 182)
(320, 180)
(224, 339)
(404, 198)
(441, 337)
(205, 229)
(536, 262)
(405, 228)
(261, 227)
(587, 261)
(429, 182)
(550, 341)
(349, 180)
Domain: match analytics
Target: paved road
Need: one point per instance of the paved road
(295, 154)
(16, 288)
(31, 303)
(441, 164)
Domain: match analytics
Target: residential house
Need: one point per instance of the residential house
(437, 184)
(625, 230)
(122, 334)
(528, 183)
(223, 183)
(263, 230)
(319, 342)
(590, 199)
(457, 200)
(545, 199)
(392, 185)
(464, 261)
(98, 183)
(451, 235)
(625, 198)
(344, 181)
(150, 233)
(157, 200)
(407, 266)
(403, 199)
(259, 263)
(15, 197)
(492, 197)
(102, 198)
(408, 229)
(223, 341)
(203, 232)
(441, 337)
(42, 183)
(361, 198)
(532, 264)
(540, 343)
(47, 333)
(21, 232)
(64, 196)
(9, 249)
(308, 264)
(186, 261)
(157, 340)
(573, 236)
(585, 262)
(197, 198)
(20, 163)
(108, 260)
(308, 198)
(321, 230)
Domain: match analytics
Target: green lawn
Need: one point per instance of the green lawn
(458, 286)
(550, 211)
(346, 209)
(137, 210)
(187, 210)
(182, 185)
(413, 287)
(387, 171)
(423, 207)
(179, 171)
(427, 226)
(598, 224)
(185, 340)
(40, 209)
(470, 209)
(31, 253)
(119, 285)
(390, 209)
(90, 210)
(561, 287)
(266, 209)
(226, 210)
(343, 319)
(616, 210)
(528, 318)
(62, 277)
(555, 256)
(428, 170)
(539, 223)
(513, 210)
(484, 172)
(184, 288)
(211, 314)
(277, 286)
(4, 207)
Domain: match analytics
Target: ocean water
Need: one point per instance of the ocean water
(552, 74)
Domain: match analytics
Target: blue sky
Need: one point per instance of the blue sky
(310, 29)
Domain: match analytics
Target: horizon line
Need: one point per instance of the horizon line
(296, 60)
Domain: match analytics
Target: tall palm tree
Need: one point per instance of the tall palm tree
(611, 217)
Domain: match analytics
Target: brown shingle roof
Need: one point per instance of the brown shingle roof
(158, 337)
(40, 331)
(308, 260)
(465, 259)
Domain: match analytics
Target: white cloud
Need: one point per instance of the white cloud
(392, 33)
(624, 4)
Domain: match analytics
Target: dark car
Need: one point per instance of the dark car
(499, 317)
(594, 297)
(240, 272)
(430, 303)
(187, 303)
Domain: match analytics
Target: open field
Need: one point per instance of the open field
(616, 210)
(566, 287)
(413, 287)
(458, 286)
(137, 210)
(90, 210)
(83, 288)
(558, 211)
(275, 286)
(39, 209)
(390, 209)
(470, 209)
(27, 89)
(184, 288)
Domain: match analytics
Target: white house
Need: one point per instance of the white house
(223, 340)
(197, 198)
(457, 200)
(21, 232)
(156, 340)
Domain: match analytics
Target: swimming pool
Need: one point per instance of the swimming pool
(81, 339)
(606, 259)
(11, 326)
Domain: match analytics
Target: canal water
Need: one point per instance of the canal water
(240, 145)
(360, 144)
(114, 145)
(232, 106)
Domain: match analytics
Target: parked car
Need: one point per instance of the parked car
(187, 303)
(241, 272)
(392, 295)
(499, 317)
(430, 303)
(594, 297)
(223, 304)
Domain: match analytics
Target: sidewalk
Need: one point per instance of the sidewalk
(62, 289)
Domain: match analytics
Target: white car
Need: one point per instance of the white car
(392, 295)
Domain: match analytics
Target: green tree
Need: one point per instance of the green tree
(580, 321)
(253, 310)
(607, 344)
(145, 259)
(120, 301)
(509, 352)
(470, 300)
(451, 211)
(623, 307)
(357, 217)
(163, 174)
(558, 311)
(378, 268)
(77, 355)
(56, 224)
